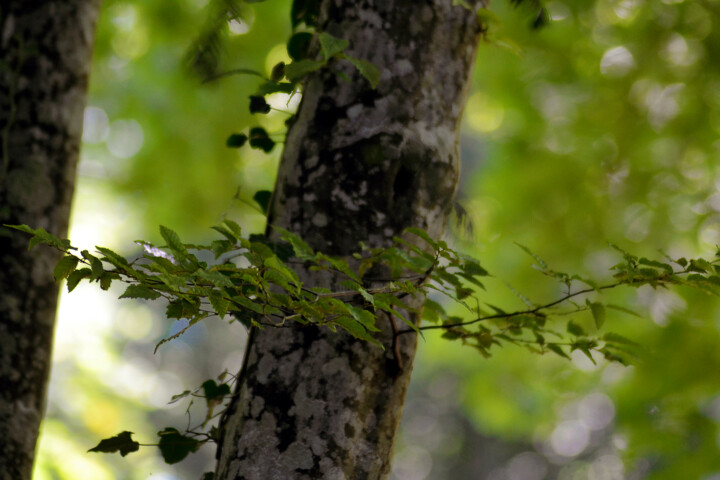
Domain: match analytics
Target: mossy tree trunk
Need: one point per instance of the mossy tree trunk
(360, 164)
(45, 52)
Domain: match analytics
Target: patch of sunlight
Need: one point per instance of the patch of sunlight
(484, 114)
(60, 459)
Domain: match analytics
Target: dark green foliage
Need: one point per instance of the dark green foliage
(174, 447)
(236, 140)
(258, 105)
(260, 139)
(122, 442)
(305, 11)
(266, 291)
(262, 198)
(299, 44)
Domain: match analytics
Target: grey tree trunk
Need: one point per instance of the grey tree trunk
(359, 165)
(45, 53)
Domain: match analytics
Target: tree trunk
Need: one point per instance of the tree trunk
(45, 52)
(359, 165)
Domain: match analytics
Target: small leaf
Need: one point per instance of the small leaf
(260, 140)
(262, 198)
(598, 313)
(298, 45)
(175, 447)
(368, 70)
(258, 105)
(556, 349)
(75, 277)
(173, 241)
(179, 396)
(278, 72)
(331, 45)
(121, 442)
(575, 329)
(299, 68)
(236, 140)
(219, 303)
(140, 291)
(65, 267)
(616, 338)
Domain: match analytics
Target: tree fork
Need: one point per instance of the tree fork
(46, 47)
(360, 164)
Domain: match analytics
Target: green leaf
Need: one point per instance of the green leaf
(424, 235)
(260, 140)
(274, 87)
(179, 396)
(331, 45)
(95, 264)
(173, 241)
(258, 105)
(75, 277)
(140, 291)
(65, 267)
(299, 68)
(181, 308)
(540, 261)
(355, 329)
(302, 250)
(368, 70)
(262, 198)
(214, 277)
(121, 442)
(219, 303)
(598, 313)
(575, 329)
(113, 258)
(298, 45)
(236, 140)
(611, 337)
(624, 310)
(175, 447)
(556, 349)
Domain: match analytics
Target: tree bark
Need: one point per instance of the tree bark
(359, 165)
(45, 52)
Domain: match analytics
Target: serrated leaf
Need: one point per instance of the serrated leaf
(75, 277)
(113, 258)
(65, 267)
(355, 329)
(174, 447)
(424, 235)
(219, 303)
(368, 70)
(173, 241)
(121, 442)
(331, 45)
(140, 291)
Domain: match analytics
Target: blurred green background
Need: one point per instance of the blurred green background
(602, 127)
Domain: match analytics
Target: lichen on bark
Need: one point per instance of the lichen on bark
(360, 164)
